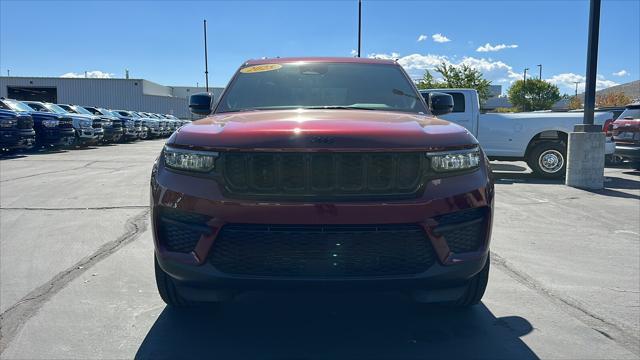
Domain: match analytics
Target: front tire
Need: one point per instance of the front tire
(476, 287)
(167, 288)
(548, 159)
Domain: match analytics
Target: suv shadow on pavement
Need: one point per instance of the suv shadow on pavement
(329, 326)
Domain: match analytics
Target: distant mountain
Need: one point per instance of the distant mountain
(631, 89)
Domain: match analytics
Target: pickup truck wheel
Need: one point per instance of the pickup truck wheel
(548, 159)
(167, 289)
(475, 288)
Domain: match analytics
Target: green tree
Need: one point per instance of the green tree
(456, 76)
(535, 95)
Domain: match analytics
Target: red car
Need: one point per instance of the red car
(321, 173)
(626, 134)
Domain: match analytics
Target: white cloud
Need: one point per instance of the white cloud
(568, 80)
(422, 37)
(354, 52)
(96, 74)
(621, 73)
(439, 38)
(383, 56)
(488, 47)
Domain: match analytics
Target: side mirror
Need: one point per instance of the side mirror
(200, 103)
(440, 103)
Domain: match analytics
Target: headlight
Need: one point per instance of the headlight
(50, 123)
(85, 123)
(7, 123)
(455, 160)
(189, 160)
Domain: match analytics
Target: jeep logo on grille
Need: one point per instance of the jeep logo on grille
(322, 140)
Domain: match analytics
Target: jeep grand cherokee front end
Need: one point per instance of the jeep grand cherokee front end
(321, 173)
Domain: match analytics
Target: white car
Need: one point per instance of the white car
(539, 138)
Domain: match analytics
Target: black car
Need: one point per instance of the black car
(16, 130)
(51, 129)
(113, 133)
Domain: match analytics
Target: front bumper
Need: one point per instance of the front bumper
(112, 134)
(55, 136)
(17, 139)
(200, 280)
(89, 135)
(130, 133)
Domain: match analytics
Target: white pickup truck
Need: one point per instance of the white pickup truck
(539, 138)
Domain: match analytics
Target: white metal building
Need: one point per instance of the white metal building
(127, 94)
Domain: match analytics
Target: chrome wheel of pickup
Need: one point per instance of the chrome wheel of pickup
(547, 159)
(551, 161)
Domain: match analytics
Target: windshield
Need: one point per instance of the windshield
(321, 85)
(81, 110)
(55, 108)
(633, 113)
(106, 112)
(17, 105)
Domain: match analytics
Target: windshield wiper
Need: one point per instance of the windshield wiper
(402, 93)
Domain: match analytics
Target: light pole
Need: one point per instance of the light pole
(576, 82)
(585, 163)
(206, 61)
(359, 25)
(540, 70)
(524, 90)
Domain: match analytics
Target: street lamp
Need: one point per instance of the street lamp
(540, 69)
(576, 82)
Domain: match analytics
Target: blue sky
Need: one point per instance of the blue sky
(162, 41)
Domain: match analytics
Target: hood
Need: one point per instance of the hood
(83, 116)
(322, 129)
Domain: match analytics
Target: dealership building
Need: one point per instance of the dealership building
(127, 94)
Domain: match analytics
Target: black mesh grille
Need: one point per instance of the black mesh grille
(322, 251)
(117, 124)
(322, 175)
(464, 231)
(66, 123)
(97, 124)
(180, 231)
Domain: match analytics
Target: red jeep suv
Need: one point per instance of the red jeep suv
(321, 173)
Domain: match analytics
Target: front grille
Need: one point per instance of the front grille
(137, 123)
(322, 251)
(180, 231)
(25, 122)
(66, 123)
(117, 124)
(97, 124)
(321, 174)
(464, 231)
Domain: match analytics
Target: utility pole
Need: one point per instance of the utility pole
(206, 61)
(540, 69)
(576, 82)
(359, 25)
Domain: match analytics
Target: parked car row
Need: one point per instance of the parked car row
(33, 124)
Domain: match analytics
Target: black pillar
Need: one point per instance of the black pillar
(592, 67)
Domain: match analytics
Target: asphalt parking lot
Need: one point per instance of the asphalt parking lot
(76, 277)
